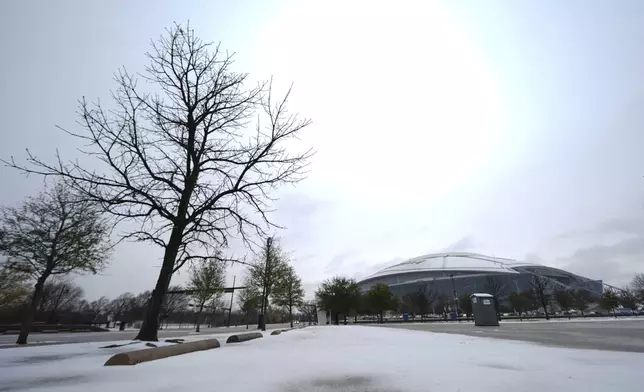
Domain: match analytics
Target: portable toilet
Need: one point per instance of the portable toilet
(484, 310)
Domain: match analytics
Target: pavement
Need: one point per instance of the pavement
(7, 341)
(614, 335)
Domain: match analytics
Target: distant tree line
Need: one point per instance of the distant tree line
(343, 299)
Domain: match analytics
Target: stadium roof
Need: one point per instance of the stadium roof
(452, 262)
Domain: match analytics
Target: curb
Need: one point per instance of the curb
(242, 337)
(152, 354)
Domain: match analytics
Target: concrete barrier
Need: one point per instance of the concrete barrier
(242, 337)
(276, 332)
(152, 354)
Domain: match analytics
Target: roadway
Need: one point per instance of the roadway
(86, 337)
(614, 335)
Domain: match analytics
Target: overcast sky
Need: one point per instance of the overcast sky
(513, 129)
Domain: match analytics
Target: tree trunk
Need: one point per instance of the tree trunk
(380, 316)
(198, 316)
(149, 328)
(290, 315)
(25, 328)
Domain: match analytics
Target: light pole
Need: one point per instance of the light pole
(262, 316)
(232, 295)
(455, 295)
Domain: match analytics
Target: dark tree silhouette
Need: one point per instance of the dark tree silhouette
(308, 310)
(338, 295)
(181, 159)
(542, 292)
(628, 299)
(520, 302)
(122, 306)
(380, 299)
(581, 299)
(99, 307)
(422, 300)
(495, 287)
(637, 286)
(465, 303)
(609, 300)
(565, 299)
(54, 233)
(174, 303)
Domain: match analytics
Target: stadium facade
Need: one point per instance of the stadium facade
(469, 272)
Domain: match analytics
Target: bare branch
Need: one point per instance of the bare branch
(184, 160)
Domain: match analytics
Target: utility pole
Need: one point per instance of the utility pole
(262, 316)
(232, 295)
(455, 296)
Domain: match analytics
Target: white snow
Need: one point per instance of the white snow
(332, 358)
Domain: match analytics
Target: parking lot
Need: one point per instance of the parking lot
(600, 334)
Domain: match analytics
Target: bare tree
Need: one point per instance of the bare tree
(565, 299)
(637, 286)
(520, 302)
(465, 303)
(495, 287)
(440, 305)
(308, 310)
(422, 300)
(182, 161)
(54, 233)
(60, 295)
(136, 310)
(207, 280)
(628, 299)
(120, 306)
(542, 290)
(581, 299)
(289, 292)
(173, 303)
(99, 307)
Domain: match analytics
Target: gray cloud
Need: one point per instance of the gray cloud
(466, 243)
(612, 250)
(615, 264)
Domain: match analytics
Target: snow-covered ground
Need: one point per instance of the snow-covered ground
(331, 358)
(578, 320)
(542, 321)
